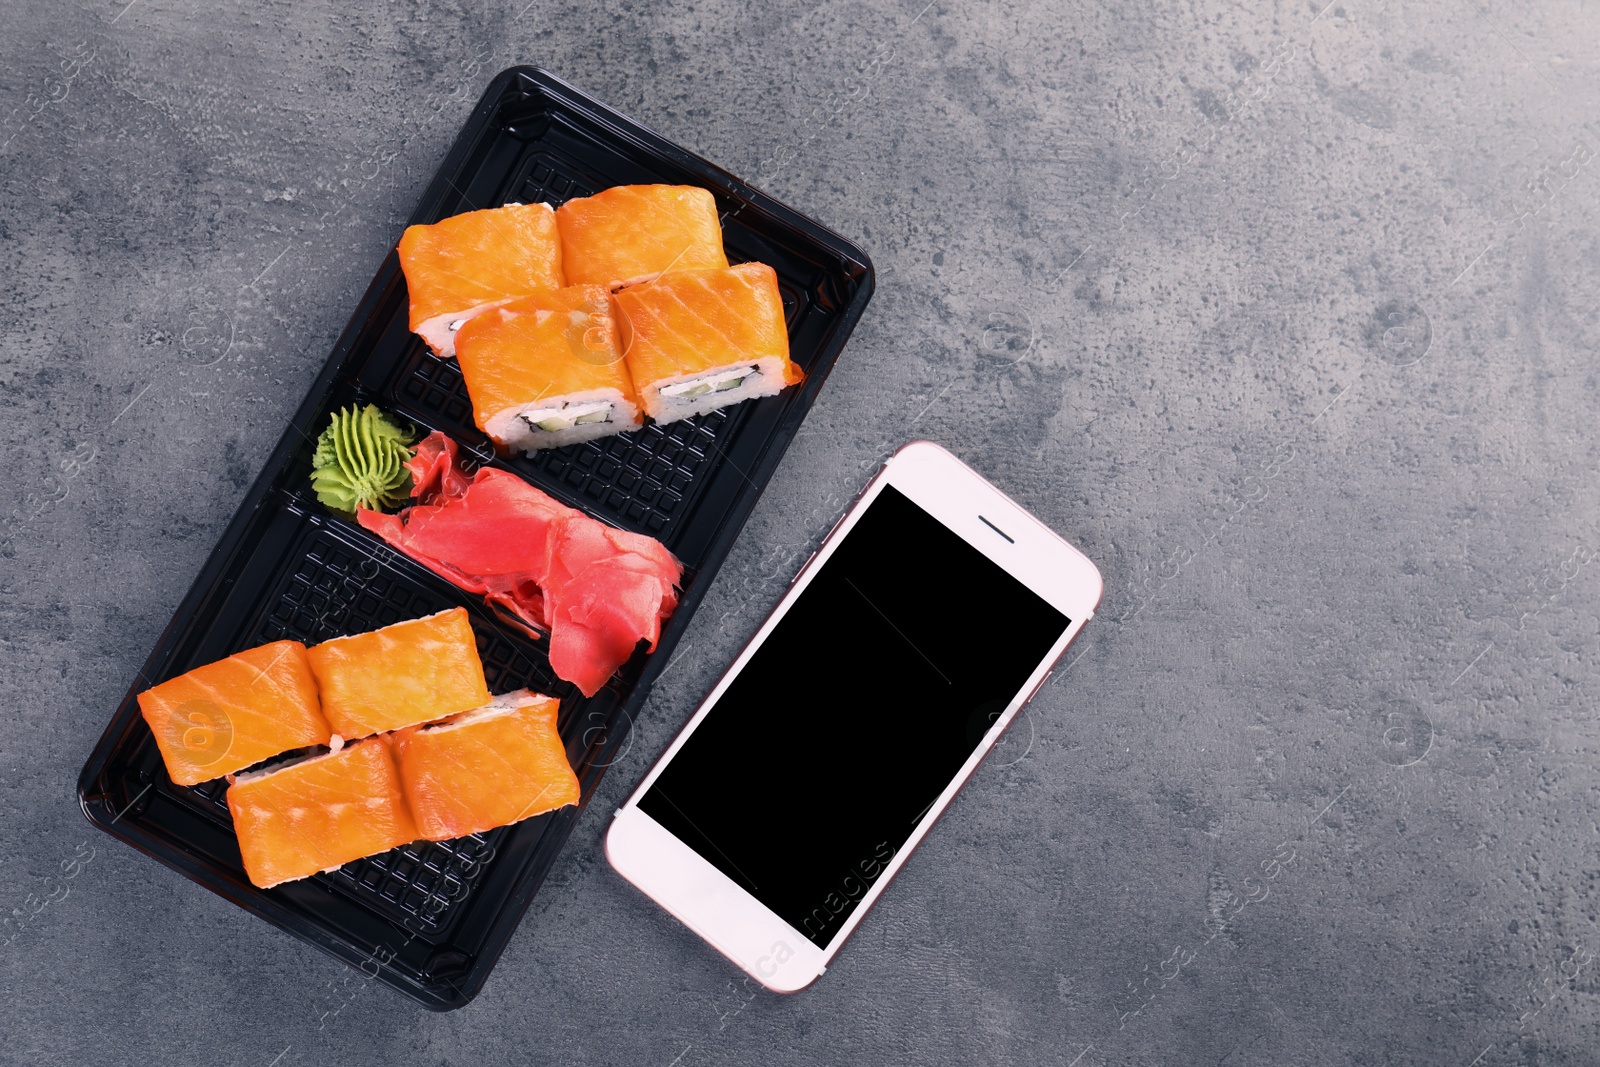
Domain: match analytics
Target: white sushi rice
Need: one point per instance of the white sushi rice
(565, 420)
(501, 705)
(283, 765)
(671, 399)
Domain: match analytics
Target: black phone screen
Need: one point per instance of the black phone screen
(823, 755)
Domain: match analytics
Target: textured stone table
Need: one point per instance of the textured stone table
(1286, 314)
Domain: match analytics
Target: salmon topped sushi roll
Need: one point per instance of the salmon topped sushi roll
(547, 370)
(319, 813)
(409, 673)
(490, 767)
(703, 339)
(464, 265)
(631, 232)
(228, 715)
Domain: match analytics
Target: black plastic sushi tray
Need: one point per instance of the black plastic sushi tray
(432, 919)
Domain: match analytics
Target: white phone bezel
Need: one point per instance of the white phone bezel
(716, 907)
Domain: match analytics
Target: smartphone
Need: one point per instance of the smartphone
(905, 646)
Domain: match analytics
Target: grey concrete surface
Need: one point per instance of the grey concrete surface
(1287, 314)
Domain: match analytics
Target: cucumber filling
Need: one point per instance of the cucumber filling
(566, 416)
(720, 382)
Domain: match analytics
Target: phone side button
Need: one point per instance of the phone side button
(803, 566)
(1040, 686)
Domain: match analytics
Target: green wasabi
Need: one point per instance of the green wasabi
(360, 462)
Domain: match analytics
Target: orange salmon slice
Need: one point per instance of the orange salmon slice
(491, 767)
(702, 339)
(402, 675)
(320, 813)
(464, 265)
(236, 712)
(636, 231)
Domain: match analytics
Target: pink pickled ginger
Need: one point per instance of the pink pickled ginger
(597, 590)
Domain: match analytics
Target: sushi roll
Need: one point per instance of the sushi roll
(318, 813)
(494, 766)
(236, 712)
(409, 673)
(703, 339)
(547, 370)
(468, 263)
(632, 232)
